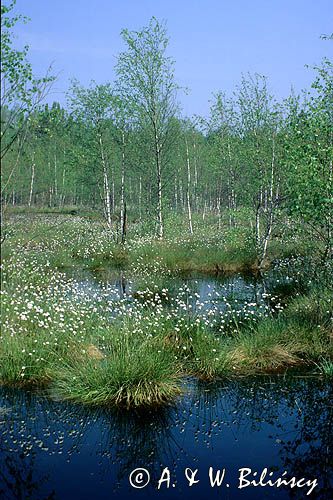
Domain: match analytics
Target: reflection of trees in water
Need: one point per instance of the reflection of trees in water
(141, 439)
(301, 411)
(18, 479)
(310, 450)
(18, 476)
(202, 293)
(241, 287)
(212, 290)
(121, 441)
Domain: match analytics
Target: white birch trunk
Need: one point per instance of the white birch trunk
(32, 180)
(159, 204)
(63, 187)
(106, 195)
(122, 191)
(271, 209)
(160, 229)
(189, 211)
(55, 177)
(140, 198)
(219, 213)
(195, 177)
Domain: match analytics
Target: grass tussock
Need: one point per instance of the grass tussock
(268, 349)
(23, 361)
(300, 334)
(129, 374)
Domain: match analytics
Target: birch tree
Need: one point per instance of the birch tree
(259, 127)
(122, 122)
(95, 105)
(187, 146)
(146, 82)
(222, 127)
(309, 158)
(21, 93)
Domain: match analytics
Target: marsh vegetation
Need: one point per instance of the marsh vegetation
(128, 337)
(119, 180)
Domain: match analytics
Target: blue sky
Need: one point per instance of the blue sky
(213, 41)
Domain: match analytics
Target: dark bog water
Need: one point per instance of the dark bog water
(57, 450)
(197, 293)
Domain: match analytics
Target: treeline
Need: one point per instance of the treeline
(123, 147)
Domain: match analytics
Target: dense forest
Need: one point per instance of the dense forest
(125, 149)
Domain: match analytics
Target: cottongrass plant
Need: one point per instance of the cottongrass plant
(92, 342)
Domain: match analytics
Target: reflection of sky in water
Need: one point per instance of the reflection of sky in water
(201, 293)
(81, 453)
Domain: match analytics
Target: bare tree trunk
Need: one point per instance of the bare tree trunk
(159, 203)
(204, 211)
(32, 179)
(257, 226)
(107, 204)
(195, 177)
(124, 224)
(188, 188)
(160, 229)
(265, 200)
(55, 177)
(113, 201)
(62, 201)
(231, 180)
(122, 192)
(219, 213)
(269, 225)
(266, 238)
(140, 198)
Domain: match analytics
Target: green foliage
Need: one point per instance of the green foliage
(122, 145)
(21, 91)
(145, 79)
(325, 367)
(309, 153)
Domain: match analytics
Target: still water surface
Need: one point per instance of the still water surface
(202, 293)
(56, 450)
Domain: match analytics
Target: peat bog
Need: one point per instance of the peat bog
(166, 281)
